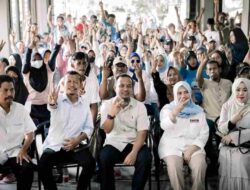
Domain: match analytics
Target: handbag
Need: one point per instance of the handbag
(241, 146)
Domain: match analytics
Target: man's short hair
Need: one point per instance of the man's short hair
(5, 78)
(60, 16)
(210, 62)
(72, 73)
(79, 56)
(111, 16)
(123, 75)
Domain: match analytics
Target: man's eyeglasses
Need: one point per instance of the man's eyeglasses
(135, 61)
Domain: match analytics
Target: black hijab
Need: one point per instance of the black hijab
(21, 92)
(38, 77)
(18, 61)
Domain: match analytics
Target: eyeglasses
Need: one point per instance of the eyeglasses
(135, 61)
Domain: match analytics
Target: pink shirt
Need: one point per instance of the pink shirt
(38, 98)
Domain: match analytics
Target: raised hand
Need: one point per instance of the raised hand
(154, 66)
(237, 116)
(2, 44)
(204, 59)
(32, 43)
(116, 106)
(138, 71)
(105, 70)
(181, 104)
(101, 4)
(53, 95)
(12, 37)
(60, 40)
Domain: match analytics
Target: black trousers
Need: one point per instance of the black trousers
(110, 155)
(23, 173)
(51, 158)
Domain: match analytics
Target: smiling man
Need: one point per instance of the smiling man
(125, 122)
(70, 124)
(16, 135)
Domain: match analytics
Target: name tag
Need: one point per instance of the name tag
(194, 120)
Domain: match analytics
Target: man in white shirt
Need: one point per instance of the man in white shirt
(16, 135)
(125, 122)
(80, 64)
(70, 124)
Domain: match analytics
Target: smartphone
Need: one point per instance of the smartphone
(126, 101)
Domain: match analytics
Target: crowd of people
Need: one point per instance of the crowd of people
(184, 78)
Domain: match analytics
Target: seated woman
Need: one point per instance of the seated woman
(234, 168)
(185, 135)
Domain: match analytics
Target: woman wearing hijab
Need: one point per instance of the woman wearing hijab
(21, 92)
(38, 79)
(221, 58)
(188, 73)
(15, 60)
(185, 135)
(234, 168)
(239, 48)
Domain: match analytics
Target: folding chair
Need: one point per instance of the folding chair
(38, 143)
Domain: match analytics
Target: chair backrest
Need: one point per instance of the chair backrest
(39, 137)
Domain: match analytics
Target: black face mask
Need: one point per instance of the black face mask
(91, 59)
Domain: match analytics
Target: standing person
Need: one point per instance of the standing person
(125, 123)
(234, 168)
(215, 92)
(239, 48)
(185, 135)
(16, 135)
(70, 124)
(38, 78)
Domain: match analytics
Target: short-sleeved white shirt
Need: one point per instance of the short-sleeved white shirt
(13, 128)
(127, 123)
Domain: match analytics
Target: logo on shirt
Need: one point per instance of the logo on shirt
(194, 120)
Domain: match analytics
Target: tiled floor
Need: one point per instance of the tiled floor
(124, 184)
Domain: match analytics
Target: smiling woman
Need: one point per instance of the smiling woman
(185, 135)
(234, 166)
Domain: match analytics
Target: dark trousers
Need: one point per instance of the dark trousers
(211, 147)
(51, 158)
(24, 173)
(109, 156)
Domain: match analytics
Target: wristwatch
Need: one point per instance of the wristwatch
(110, 117)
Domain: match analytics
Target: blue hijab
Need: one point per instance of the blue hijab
(191, 108)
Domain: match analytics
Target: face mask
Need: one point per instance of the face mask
(37, 64)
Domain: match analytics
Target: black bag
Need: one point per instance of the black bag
(241, 146)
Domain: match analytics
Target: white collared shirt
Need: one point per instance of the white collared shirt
(13, 128)
(127, 123)
(68, 120)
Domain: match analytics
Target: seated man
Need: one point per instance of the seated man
(16, 135)
(70, 124)
(125, 123)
